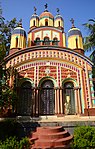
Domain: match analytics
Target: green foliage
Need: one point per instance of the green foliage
(84, 137)
(9, 143)
(24, 143)
(8, 101)
(13, 143)
(6, 28)
(9, 96)
(5, 36)
(89, 41)
(93, 71)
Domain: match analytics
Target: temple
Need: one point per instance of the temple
(54, 75)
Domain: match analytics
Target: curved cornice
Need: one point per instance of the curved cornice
(45, 27)
(36, 48)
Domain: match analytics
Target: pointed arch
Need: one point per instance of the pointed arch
(25, 97)
(71, 80)
(47, 102)
(47, 96)
(69, 95)
(25, 79)
(48, 78)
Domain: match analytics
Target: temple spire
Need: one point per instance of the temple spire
(46, 6)
(57, 11)
(35, 9)
(72, 21)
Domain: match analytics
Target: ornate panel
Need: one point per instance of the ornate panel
(28, 73)
(67, 73)
(47, 71)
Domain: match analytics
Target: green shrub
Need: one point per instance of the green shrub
(24, 143)
(9, 143)
(13, 143)
(84, 137)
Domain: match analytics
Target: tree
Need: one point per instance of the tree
(5, 37)
(89, 41)
(7, 94)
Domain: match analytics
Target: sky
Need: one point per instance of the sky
(80, 10)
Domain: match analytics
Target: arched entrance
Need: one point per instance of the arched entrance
(25, 99)
(69, 98)
(47, 98)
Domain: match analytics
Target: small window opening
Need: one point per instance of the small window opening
(34, 23)
(46, 22)
(59, 23)
(16, 42)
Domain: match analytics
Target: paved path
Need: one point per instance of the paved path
(68, 118)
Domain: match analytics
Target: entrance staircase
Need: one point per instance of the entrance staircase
(51, 138)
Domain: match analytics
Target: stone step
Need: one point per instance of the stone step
(51, 147)
(49, 135)
(49, 129)
(64, 141)
(54, 142)
(62, 147)
(33, 139)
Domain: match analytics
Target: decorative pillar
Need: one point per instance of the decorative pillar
(79, 101)
(76, 101)
(83, 89)
(61, 103)
(58, 101)
(91, 89)
(55, 101)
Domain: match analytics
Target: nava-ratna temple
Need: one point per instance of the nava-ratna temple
(54, 78)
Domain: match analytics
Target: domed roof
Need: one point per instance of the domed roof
(35, 16)
(46, 14)
(19, 30)
(74, 31)
(58, 16)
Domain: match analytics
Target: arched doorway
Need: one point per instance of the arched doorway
(47, 98)
(69, 98)
(25, 99)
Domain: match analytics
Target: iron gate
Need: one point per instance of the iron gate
(41, 101)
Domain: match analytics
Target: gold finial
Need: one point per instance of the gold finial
(46, 5)
(72, 21)
(57, 10)
(35, 9)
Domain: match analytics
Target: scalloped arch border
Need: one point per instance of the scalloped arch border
(48, 78)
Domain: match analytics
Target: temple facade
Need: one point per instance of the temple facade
(54, 75)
